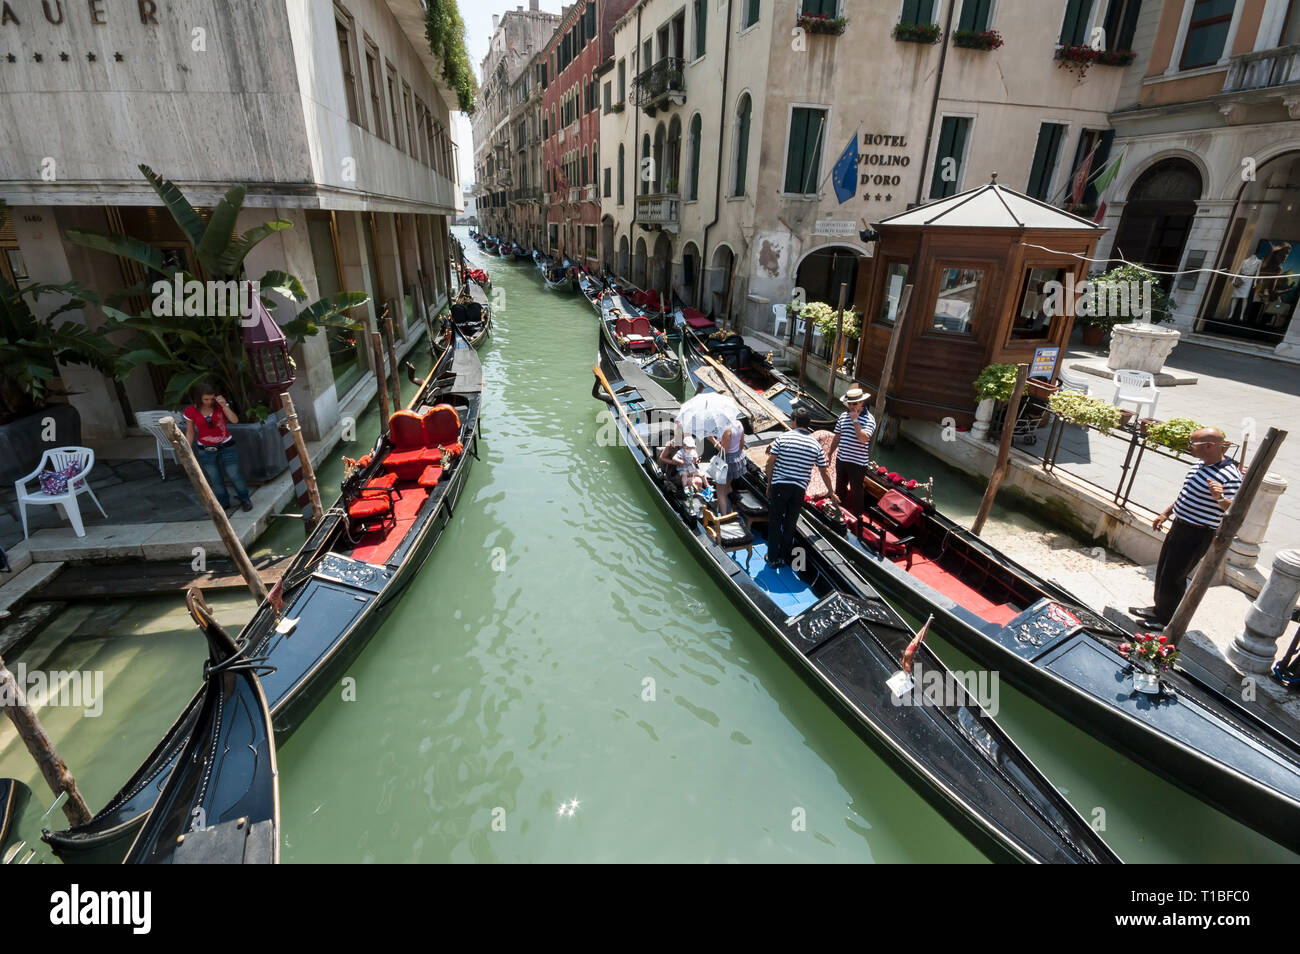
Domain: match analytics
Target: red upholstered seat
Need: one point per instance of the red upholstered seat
(900, 508)
(409, 464)
(429, 479)
(623, 326)
(651, 299)
(406, 430)
(696, 318)
(382, 483)
(369, 507)
(642, 326)
(441, 426)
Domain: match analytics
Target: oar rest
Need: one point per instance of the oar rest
(887, 525)
(730, 532)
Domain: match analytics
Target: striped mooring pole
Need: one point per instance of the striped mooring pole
(295, 452)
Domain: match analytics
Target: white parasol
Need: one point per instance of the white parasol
(708, 415)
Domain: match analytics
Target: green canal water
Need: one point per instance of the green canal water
(563, 682)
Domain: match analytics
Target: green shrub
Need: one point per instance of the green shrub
(1077, 408)
(997, 381)
(823, 317)
(1173, 434)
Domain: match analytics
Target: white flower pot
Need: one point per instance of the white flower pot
(1141, 347)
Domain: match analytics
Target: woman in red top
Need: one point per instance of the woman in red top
(206, 429)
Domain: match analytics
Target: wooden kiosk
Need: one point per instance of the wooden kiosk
(981, 294)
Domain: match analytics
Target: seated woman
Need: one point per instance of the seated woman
(680, 453)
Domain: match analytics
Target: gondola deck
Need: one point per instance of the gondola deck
(847, 642)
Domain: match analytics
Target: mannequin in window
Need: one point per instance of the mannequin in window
(1272, 283)
(1242, 286)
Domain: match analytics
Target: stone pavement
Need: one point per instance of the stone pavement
(1235, 392)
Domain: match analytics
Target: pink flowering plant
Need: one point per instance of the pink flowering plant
(822, 23)
(1149, 652)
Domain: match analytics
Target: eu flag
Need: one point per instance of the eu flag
(846, 171)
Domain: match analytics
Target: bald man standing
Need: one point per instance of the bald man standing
(1207, 493)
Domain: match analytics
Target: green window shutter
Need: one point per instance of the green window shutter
(694, 167)
(952, 143)
(975, 15)
(821, 7)
(803, 154)
(1045, 156)
(1074, 31)
(751, 13)
(622, 166)
(917, 12)
(742, 149)
(701, 25)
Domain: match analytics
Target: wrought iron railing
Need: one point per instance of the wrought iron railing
(658, 81)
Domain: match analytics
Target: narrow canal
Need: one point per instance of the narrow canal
(563, 682)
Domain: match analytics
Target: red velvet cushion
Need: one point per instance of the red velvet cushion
(623, 326)
(406, 430)
(385, 482)
(409, 464)
(698, 321)
(369, 507)
(903, 510)
(642, 326)
(430, 477)
(441, 426)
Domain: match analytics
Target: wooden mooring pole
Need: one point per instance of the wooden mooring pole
(392, 358)
(839, 343)
(1004, 449)
(887, 370)
(377, 349)
(1208, 569)
(53, 769)
(238, 555)
(304, 459)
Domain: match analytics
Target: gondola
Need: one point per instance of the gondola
(220, 804)
(592, 288)
(554, 276)
(1197, 731)
(521, 254)
(471, 314)
(847, 642)
(711, 361)
(340, 586)
(14, 799)
(491, 246)
(627, 334)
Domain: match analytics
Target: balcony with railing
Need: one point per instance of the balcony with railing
(589, 193)
(1263, 69)
(659, 211)
(660, 84)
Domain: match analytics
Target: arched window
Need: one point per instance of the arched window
(743, 111)
(673, 156)
(693, 163)
(641, 170)
(659, 159)
(622, 163)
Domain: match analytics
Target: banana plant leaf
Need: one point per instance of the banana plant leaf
(220, 230)
(190, 222)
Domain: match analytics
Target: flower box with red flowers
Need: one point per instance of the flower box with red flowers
(821, 23)
(917, 32)
(1149, 655)
(977, 39)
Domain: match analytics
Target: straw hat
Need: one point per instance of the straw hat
(855, 395)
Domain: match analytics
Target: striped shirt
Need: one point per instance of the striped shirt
(1194, 504)
(796, 452)
(851, 450)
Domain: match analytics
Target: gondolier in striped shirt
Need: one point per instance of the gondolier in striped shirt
(851, 449)
(1207, 493)
(791, 458)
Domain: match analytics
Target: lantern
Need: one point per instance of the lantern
(268, 350)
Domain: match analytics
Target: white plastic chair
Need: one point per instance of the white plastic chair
(1074, 382)
(780, 321)
(1136, 387)
(60, 458)
(147, 421)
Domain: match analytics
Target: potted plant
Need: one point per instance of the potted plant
(917, 32)
(994, 386)
(1076, 408)
(1174, 434)
(822, 23)
(1148, 655)
(670, 187)
(164, 331)
(977, 39)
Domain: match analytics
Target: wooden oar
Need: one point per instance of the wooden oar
(622, 412)
(729, 379)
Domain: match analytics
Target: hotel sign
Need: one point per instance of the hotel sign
(16, 12)
(881, 156)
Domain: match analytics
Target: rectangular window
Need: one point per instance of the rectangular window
(1074, 29)
(394, 117)
(975, 15)
(749, 16)
(343, 26)
(1121, 23)
(1207, 33)
(608, 97)
(591, 20)
(803, 156)
(622, 82)
(376, 88)
(1031, 321)
(917, 13)
(958, 300)
(607, 182)
(827, 8)
(895, 279)
(411, 146)
(701, 13)
(950, 156)
(1046, 153)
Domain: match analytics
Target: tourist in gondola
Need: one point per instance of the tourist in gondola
(851, 449)
(681, 453)
(1207, 493)
(731, 445)
(207, 430)
(791, 458)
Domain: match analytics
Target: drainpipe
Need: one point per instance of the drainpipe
(717, 187)
(934, 104)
